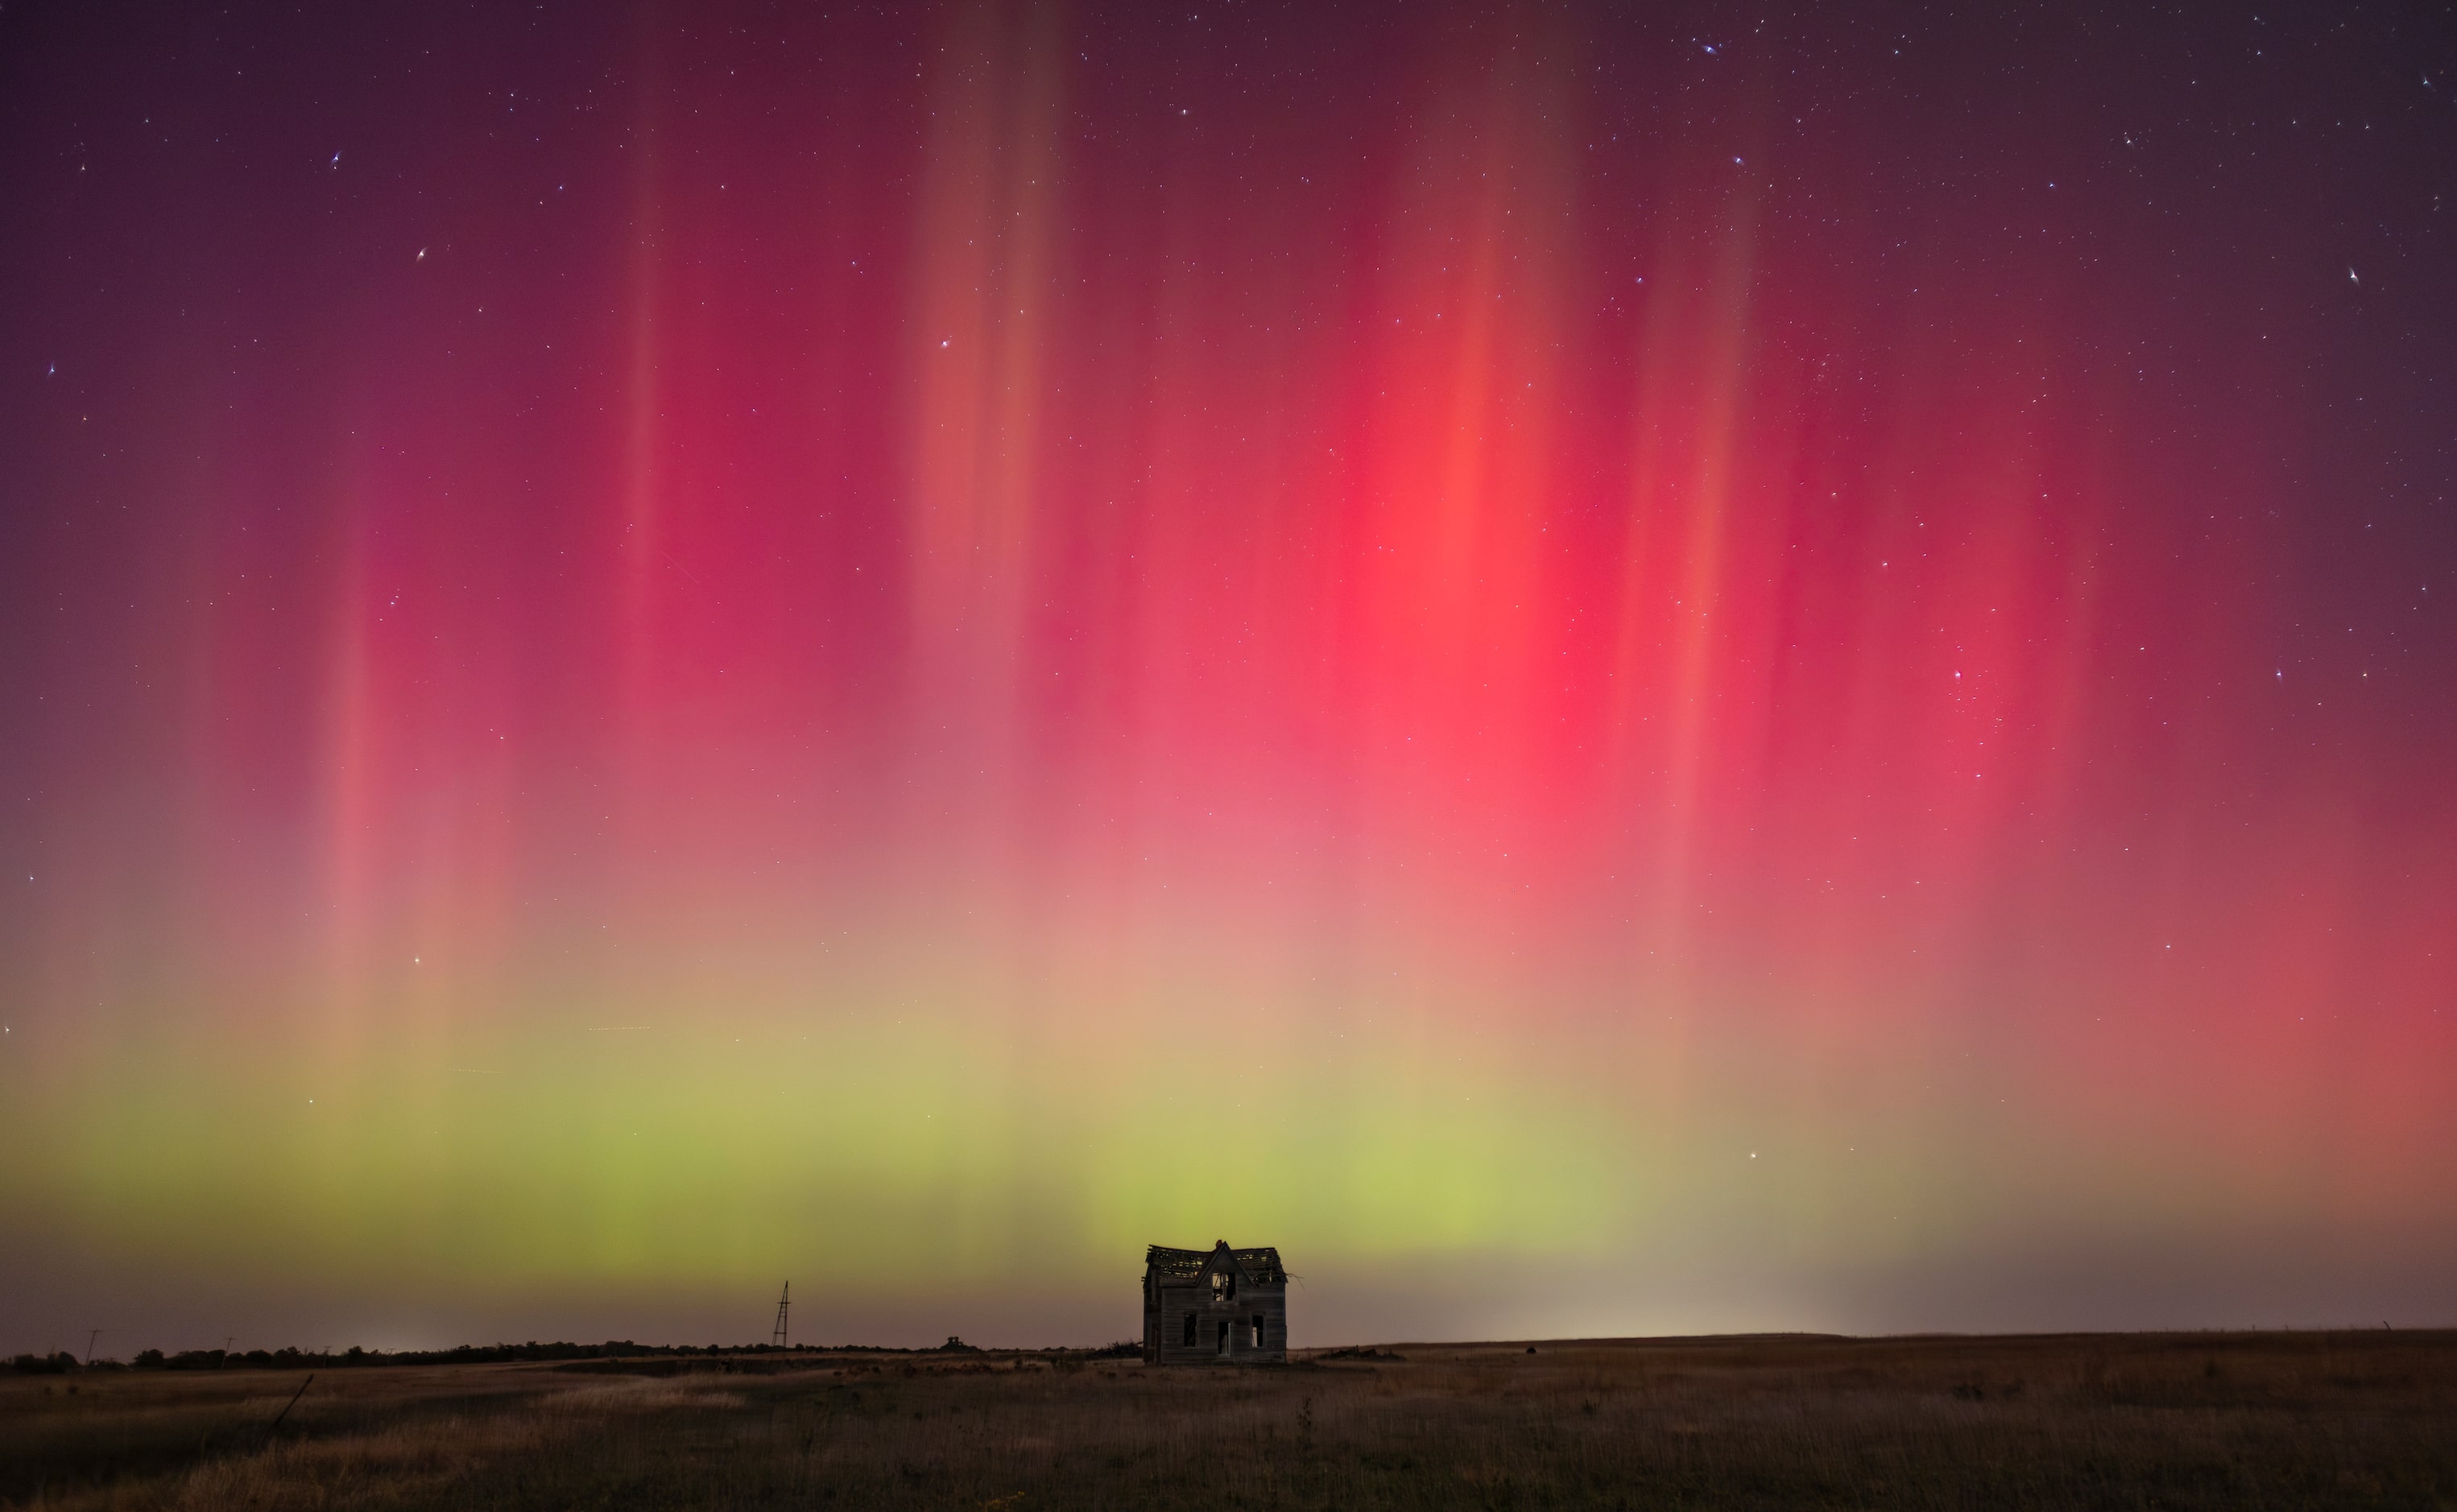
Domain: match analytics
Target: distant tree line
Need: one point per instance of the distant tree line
(63, 1362)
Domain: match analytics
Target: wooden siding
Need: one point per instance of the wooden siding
(1178, 1289)
(1165, 1329)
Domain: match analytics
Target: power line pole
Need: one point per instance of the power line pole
(90, 1337)
(783, 1300)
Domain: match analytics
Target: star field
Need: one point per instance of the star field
(1685, 668)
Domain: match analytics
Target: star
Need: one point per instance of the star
(2350, 277)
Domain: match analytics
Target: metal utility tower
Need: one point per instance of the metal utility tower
(783, 1300)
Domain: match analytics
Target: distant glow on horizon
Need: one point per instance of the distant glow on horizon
(1036, 676)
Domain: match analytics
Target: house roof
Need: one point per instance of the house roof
(1261, 1266)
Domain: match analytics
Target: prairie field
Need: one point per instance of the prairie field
(2187, 1421)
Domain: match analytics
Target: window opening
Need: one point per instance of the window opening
(1222, 1347)
(1258, 1330)
(1189, 1330)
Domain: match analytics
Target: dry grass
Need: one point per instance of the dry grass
(2176, 1422)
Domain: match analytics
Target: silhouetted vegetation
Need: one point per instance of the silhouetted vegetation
(356, 1356)
(46, 1364)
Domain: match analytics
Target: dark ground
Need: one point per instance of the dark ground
(2215, 1420)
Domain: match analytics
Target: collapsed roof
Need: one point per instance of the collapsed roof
(1261, 1266)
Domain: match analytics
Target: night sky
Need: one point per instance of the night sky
(1605, 669)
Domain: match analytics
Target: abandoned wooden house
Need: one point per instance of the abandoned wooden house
(1214, 1307)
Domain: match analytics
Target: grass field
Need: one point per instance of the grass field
(2217, 1421)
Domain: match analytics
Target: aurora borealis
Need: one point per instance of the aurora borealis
(1601, 671)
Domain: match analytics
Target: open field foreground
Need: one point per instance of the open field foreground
(2217, 1420)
